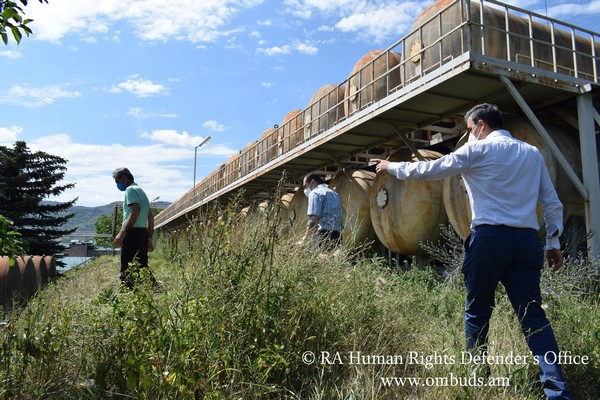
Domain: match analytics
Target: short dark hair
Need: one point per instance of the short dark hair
(119, 172)
(314, 176)
(486, 112)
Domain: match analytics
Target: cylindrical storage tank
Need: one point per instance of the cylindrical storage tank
(233, 169)
(267, 146)
(284, 210)
(325, 109)
(457, 202)
(373, 77)
(354, 189)
(425, 48)
(405, 213)
(10, 280)
(297, 213)
(28, 277)
(220, 177)
(248, 158)
(51, 266)
(290, 132)
(41, 270)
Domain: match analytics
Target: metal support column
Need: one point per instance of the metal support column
(589, 160)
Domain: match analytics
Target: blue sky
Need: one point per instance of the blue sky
(139, 83)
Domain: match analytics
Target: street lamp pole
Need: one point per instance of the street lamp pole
(206, 139)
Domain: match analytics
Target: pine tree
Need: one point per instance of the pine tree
(26, 179)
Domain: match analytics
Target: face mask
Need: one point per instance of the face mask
(121, 186)
(307, 191)
(472, 137)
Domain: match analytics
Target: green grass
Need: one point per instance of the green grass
(238, 307)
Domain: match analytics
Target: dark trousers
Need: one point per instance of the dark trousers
(325, 239)
(515, 257)
(134, 247)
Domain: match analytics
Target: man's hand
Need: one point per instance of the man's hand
(555, 259)
(150, 245)
(118, 240)
(382, 165)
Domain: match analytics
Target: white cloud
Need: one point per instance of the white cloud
(382, 22)
(160, 169)
(13, 55)
(8, 135)
(566, 10)
(306, 48)
(267, 84)
(191, 20)
(274, 51)
(214, 126)
(172, 137)
(139, 113)
(376, 20)
(36, 97)
(140, 87)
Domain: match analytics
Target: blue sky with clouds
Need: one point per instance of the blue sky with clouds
(139, 83)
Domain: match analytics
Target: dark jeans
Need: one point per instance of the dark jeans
(515, 257)
(326, 240)
(134, 247)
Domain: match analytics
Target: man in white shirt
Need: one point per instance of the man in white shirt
(505, 178)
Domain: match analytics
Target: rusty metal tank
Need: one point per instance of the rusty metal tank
(284, 210)
(232, 169)
(41, 270)
(248, 158)
(28, 286)
(51, 266)
(267, 146)
(325, 109)
(290, 132)
(369, 80)
(354, 188)
(10, 280)
(455, 196)
(297, 213)
(405, 213)
(425, 51)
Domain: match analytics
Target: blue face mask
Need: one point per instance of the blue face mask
(121, 186)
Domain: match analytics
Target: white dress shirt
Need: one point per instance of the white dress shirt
(504, 177)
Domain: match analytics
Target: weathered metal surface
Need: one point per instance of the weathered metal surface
(405, 213)
(370, 81)
(297, 217)
(354, 188)
(325, 109)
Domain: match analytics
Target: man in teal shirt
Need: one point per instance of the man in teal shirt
(135, 236)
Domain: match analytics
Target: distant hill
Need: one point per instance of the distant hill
(86, 217)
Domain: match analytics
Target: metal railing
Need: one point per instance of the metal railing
(511, 35)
